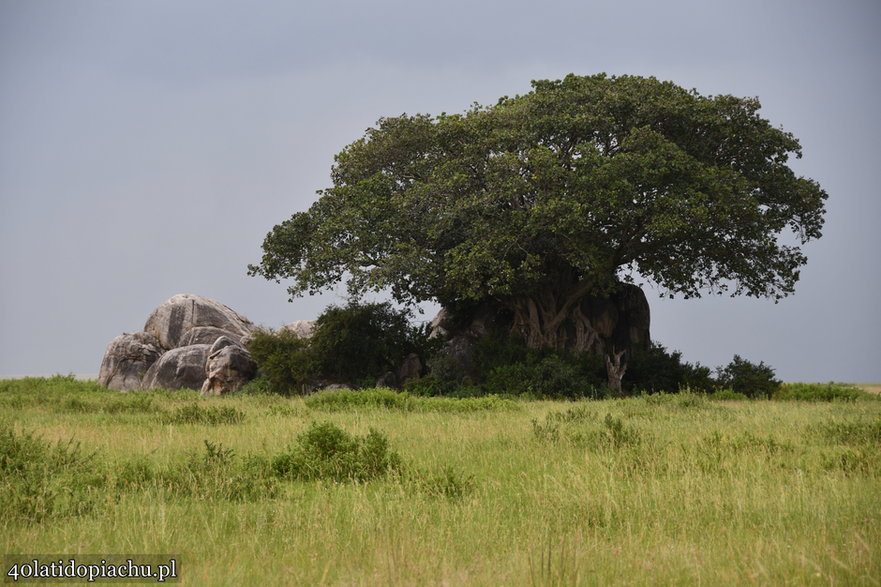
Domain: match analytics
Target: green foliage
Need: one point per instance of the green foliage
(326, 451)
(797, 481)
(63, 394)
(657, 369)
(581, 428)
(284, 361)
(865, 433)
(821, 392)
(40, 481)
(216, 473)
(749, 379)
(727, 395)
(363, 341)
(505, 365)
(388, 399)
(447, 482)
(566, 190)
(208, 415)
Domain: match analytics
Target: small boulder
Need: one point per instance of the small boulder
(127, 358)
(179, 368)
(229, 367)
(174, 319)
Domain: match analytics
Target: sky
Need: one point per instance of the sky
(147, 147)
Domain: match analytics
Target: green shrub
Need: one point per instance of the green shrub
(326, 451)
(364, 341)
(41, 481)
(820, 392)
(658, 370)
(504, 365)
(727, 395)
(218, 473)
(447, 482)
(748, 379)
(284, 361)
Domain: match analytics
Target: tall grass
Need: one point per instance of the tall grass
(384, 489)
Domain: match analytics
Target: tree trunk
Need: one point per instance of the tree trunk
(615, 371)
(547, 321)
(577, 321)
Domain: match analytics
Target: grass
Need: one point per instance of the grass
(383, 488)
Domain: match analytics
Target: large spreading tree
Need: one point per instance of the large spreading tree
(567, 192)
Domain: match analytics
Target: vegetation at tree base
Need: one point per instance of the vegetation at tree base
(361, 342)
(660, 488)
(353, 345)
(568, 191)
(284, 360)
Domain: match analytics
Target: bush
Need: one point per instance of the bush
(749, 379)
(364, 341)
(284, 361)
(326, 451)
(504, 365)
(217, 473)
(820, 392)
(41, 481)
(727, 395)
(659, 370)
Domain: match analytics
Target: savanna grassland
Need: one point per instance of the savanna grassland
(376, 487)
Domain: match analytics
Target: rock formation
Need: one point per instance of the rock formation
(180, 368)
(302, 328)
(175, 318)
(229, 367)
(127, 358)
(190, 342)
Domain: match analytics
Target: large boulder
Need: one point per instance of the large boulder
(228, 368)
(127, 359)
(174, 319)
(207, 335)
(179, 368)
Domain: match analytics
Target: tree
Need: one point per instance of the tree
(566, 192)
(747, 378)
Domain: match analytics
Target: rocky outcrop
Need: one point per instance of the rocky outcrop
(189, 341)
(229, 367)
(127, 359)
(173, 320)
(179, 368)
(302, 328)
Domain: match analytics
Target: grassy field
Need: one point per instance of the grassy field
(662, 489)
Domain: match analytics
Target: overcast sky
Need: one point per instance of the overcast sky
(146, 147)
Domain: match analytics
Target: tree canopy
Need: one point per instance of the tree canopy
(566, 191)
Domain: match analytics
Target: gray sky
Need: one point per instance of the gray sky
(146, 147)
